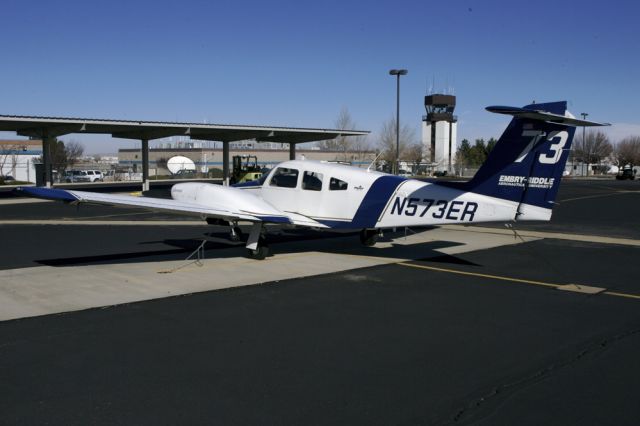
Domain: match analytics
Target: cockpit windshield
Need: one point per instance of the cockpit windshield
(284, 178)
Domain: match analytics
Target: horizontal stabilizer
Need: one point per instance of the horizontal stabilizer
(543, 116)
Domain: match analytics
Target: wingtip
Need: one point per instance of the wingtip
(46, 193)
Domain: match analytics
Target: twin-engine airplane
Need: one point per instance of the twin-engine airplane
(519, 181)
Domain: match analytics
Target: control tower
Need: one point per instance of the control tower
(439, 128)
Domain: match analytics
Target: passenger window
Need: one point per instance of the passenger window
(337, 185)
(312, 181)
(284, 178)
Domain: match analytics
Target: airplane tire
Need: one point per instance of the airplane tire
(260, 253)
(369, 237)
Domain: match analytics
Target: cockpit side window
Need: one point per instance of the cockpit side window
(312, 181)
(284, 178)
(336, 184)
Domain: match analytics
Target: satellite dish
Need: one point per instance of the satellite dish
(179, 162)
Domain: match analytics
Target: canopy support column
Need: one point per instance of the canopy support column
(292, 151)
(46, 157)
(145, 164)
(225, 163)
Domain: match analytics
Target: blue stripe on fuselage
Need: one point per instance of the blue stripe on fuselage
(371, 206)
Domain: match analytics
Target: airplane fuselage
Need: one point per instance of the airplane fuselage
(340, 196)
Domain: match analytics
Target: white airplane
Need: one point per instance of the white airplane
(519, 181)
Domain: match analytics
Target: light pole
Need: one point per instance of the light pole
(584, 142)
(397, 73)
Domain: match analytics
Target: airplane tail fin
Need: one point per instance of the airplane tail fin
(527, 162)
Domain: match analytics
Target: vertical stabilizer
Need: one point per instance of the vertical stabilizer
(527, 162)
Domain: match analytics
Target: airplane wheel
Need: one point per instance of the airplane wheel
(260, 253)
(368, 237)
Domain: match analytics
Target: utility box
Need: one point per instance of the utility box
(40, 173)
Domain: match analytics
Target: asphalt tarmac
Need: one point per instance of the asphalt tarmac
(477, 338)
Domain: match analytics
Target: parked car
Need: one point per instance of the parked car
(626, 173)
(95, 175)
(185, 174)
(83, 176)
(440, 173)
(71, 176)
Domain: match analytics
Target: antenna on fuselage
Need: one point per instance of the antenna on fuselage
(374, 160)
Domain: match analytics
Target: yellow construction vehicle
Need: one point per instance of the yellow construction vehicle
(245, 169)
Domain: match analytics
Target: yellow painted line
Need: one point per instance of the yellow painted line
(629, 296)
(543, 234)
(616, 192)
(517, 280)
(85, 222)
(114, 215)
(475, 274)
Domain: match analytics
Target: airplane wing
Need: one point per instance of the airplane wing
(219, 211)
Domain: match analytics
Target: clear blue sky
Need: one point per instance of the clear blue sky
(297, 63)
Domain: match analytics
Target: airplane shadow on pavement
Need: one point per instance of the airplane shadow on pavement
(218, 246)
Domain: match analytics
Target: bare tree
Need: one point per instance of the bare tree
(593, 148)
(73, 151)
(64, 155)
(161, 163)
(361, 149)
(387, 141)
(344, 144)
(627, 151)
(9, 157)
(413, 155)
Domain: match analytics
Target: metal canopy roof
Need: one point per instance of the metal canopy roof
(149, 130)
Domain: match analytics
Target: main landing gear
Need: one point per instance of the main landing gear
(368, 237)
(257, 246)
(235, 233)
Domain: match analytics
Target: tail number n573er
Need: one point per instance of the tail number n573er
(437, 209)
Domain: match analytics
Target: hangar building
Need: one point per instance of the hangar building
(206, 159)
(17, 158)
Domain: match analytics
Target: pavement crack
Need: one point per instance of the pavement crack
(465, 413)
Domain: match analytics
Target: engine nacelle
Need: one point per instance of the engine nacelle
(223, 198)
